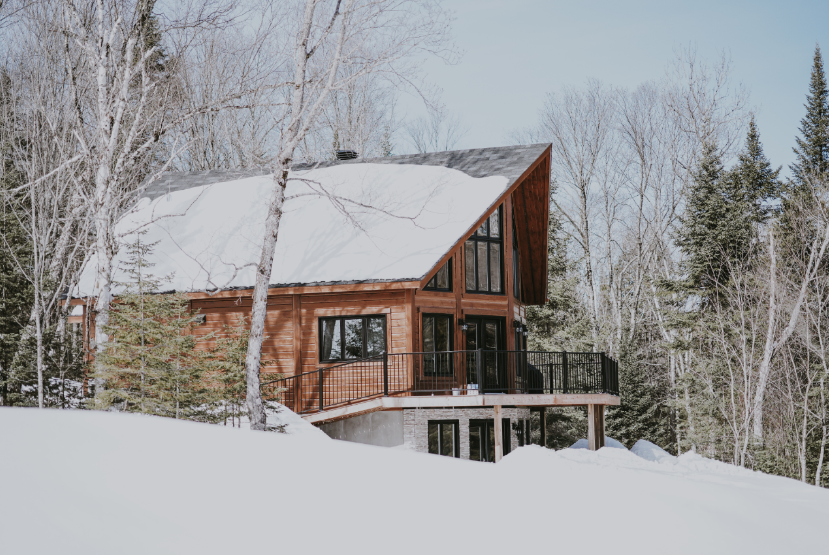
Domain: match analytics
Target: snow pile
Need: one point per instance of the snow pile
(652, 452)
(82, 482)
(608, 442)
(289, 422)
(401, 219)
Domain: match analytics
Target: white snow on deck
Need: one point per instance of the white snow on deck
(211, 236)
(83, 482)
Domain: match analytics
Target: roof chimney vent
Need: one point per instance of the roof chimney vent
(347, 154)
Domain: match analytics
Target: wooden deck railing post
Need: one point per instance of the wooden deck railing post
(604, 366)
(479, 370)
(386, 374)
(320, 386)
(564, 376)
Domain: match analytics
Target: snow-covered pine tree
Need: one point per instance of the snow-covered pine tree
(152, 364)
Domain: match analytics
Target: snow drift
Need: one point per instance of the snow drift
(92, 482)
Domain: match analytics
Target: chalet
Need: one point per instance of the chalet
(396, 313)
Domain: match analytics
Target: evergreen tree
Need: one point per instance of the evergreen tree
(812, 148)
(724, 211)
(151, 363)
(703, 227)
(643, 413)
(752, 185)
(16, 293)
(229, 372)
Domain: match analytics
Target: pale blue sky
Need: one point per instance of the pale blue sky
(516, 51)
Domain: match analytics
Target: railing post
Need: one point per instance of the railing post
(604, 373)
(298, 395)
(479, 370)
(386, 374)
(320, 384)
(564, 373)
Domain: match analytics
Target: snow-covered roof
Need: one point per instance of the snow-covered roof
(389, 219)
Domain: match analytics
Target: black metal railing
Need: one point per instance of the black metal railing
(453, 373)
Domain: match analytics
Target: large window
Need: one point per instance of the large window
(483, 257)
(443, 438)
(351, 337)
(437, 339)
(442, 280)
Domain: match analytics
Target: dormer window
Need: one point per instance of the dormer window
(483, 259)
(442, 280)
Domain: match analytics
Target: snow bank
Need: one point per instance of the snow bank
(211, 236)
(608, 442)
(82, 482)
(652, 452)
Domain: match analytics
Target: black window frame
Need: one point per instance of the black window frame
(342, 319)
(450, 367)
(429, 287)
(485, 424)
(475, 238)
(456, 448)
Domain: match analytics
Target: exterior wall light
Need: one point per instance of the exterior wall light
(463, 325)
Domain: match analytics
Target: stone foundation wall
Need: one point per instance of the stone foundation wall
(416, 422)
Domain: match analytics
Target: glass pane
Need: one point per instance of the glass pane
(354, 338)
(482, 273)
(434, 438)
(491, 336)
(507, 436)
(475, 443)
(471, 358)
(428, 334)
(469, 257)
(482, 229)
(432, 283)
(494, 225)
(442, 333)
(516, 275)
(471, 336)
(491, 443)
(495, 266)
(442, 277)
(375, 336)
(331, 344)
(447, 440)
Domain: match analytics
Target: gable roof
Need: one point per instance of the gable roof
(386, 219)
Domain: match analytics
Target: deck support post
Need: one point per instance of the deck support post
(499, 434)
(595, 427)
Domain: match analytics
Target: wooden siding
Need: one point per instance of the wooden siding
(294, 320)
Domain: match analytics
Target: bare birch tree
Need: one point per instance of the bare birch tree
(372, 37)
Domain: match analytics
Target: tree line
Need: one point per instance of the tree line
(676, 246)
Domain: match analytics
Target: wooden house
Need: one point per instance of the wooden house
(396, 313)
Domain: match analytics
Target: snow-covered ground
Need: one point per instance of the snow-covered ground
(92, 482)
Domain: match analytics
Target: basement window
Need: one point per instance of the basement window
(352, 337)
(443, 438)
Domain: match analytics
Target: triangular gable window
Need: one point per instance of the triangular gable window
(442, 280)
